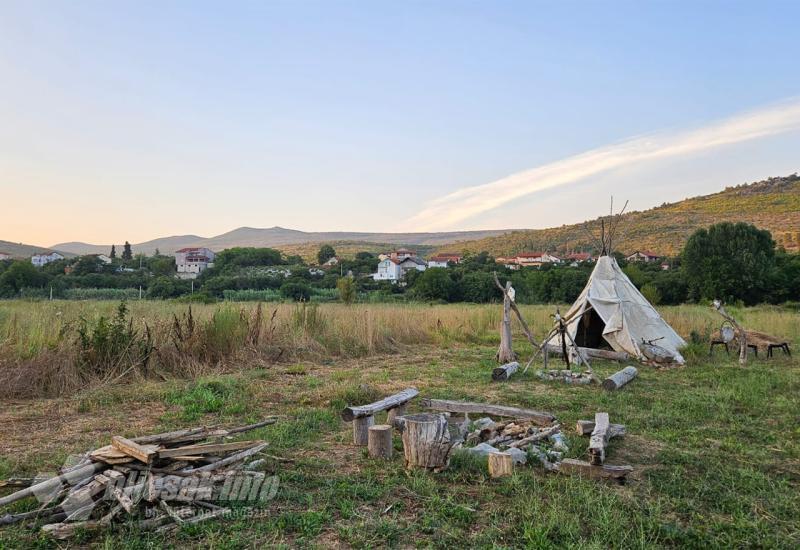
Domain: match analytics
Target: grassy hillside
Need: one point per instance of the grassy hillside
(21, 251)
(773, 204)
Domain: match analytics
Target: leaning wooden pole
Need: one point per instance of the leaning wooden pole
(740, 333)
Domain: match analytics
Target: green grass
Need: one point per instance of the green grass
(715, 447)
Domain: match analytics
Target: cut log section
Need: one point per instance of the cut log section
(401, 398)
(463, 407)
(504, 372)
(620, 378)
(582, 468)
(586, 427)
(501, 464)
(597, 444)
(426, 441)
(380, 441)
(395, 413)
(361, 426)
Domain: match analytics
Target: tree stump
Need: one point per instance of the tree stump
(361, 430)
(501, 464)
(394, 413)
(426, 441)
(380, 441)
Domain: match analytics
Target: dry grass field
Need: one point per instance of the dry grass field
(715, 447)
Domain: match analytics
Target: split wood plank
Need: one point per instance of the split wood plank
(599, 439)
(581, 467)
(350, 413)
(501, 464)
(193, 451)
(541, 418)
(142, 453)
(586, 427)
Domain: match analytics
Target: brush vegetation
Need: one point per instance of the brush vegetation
(715, 447)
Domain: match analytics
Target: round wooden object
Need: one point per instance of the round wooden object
(361, 430)
(394, 413)
(501, 464)
(426, 441)
(380, 441)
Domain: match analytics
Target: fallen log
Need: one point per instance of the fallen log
(620, 378)
(401, 398)
(594, 353)
(582, 468)
(229, 460)
(586, 427)
(465, 407)
(544, 434)
(504, 372)
(599, 439)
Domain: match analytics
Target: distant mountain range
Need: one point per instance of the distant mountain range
(772, 204)
(282, 238)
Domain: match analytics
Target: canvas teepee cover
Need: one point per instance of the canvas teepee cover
(610, 308)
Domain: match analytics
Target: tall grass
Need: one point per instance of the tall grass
(41, 335)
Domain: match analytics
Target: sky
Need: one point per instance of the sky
(136, 120)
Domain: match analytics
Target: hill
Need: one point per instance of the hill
(285, 239)
(22, 251)
(772, 204)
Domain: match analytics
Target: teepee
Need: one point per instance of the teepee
(612, 312)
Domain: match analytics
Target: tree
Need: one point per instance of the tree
(157, 253)
(434, 284)
(113, 253)
(347, 289)
(729, 262)
(86, 265)
(127, 253)
(19, 275)
(297, 291)
(326, 252)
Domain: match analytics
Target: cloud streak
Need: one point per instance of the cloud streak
(448, 211)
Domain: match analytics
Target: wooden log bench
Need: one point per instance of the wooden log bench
(363, 416)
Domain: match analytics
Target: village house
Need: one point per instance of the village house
(443, 260)
(43, 259)
(4, 256)
(394, 269)
(190, 262)
(332, 261)
(643, 256)
(577, 258)
(536, 259)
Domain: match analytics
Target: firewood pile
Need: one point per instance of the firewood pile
(519, 438)
(159, 482)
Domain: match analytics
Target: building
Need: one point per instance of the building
(393, 269)
(443, 260)
(643, 256)
(535, 259)
(333, 261)
(4, 256)
(579, 257)
(103, 258)
(190, 262)
(42, 259)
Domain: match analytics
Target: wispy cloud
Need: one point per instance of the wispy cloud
(448, 211)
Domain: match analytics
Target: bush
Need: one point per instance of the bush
(347, 289)
(651, 294)
(251, 295)
(299, 292)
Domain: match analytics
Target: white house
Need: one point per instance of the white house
(41, 259)
(332, 261)
(443, 260)
(4, 256)
(393, 269)
(190, 262)
(643, 256)
(536, 259)
(103, 258)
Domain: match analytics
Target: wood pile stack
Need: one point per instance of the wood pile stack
(159, 482)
